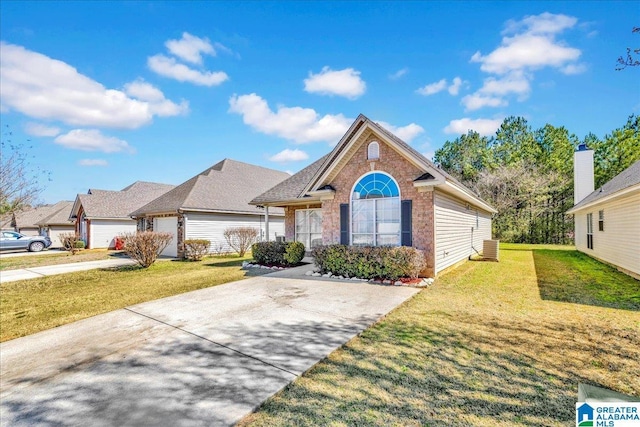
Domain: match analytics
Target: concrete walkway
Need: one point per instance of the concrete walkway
(204, 358)
(50, 270)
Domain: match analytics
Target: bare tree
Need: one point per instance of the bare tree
(19, 179)
(629, 60)
(145, 246)
(241, 238)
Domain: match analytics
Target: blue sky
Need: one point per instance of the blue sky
(108, 93)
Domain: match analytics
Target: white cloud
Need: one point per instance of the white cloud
(485, 127)
(439, 86)
(158, 104)
(433, 88)
(401, 72)
(454, 89)
(345, 83)
(527, 45)
(298, 124)
(92, 140)
(45, 88)
(190, 48)
(406, 133)
(38, 129)
(288, 155)
(168, 67)
(93, 162)
(476, 101)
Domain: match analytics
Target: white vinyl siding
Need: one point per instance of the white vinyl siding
(459, 231)
(55, 231)
(104, 231)
(168, 225)
(619, 243)
(211, 227)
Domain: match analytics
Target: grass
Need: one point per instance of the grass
(30, 306)
(59, 257)
(481, 347)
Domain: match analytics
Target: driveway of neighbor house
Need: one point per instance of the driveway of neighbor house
(207, 357)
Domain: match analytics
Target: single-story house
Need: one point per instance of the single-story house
(28, 222)
(375, 189)
(607, 219)
(102, 215)
(58, 223)
(212, 201)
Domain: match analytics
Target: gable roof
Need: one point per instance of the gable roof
(625, 180)
(317, 172)
(227, 186)
(59, 216)
(109, 204)
(31, 218)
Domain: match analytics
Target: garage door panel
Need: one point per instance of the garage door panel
(168, 225)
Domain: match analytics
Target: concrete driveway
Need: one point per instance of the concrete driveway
(204, 358)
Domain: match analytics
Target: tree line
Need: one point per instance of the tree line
(527, 174)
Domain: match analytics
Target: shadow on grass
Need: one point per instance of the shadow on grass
(571, 276)
(450, 371)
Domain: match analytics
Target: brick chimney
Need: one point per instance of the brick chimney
(582, 173)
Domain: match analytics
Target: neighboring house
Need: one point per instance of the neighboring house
(102, 215)
(58, 223)
(212, 201)
(607, 220)
(374, 189)
(27, 222)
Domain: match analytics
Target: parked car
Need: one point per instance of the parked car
(10, 240)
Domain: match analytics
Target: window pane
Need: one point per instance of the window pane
(388, 240)
(315, 221)
(301, 221)
(362, 240)
(316, 240)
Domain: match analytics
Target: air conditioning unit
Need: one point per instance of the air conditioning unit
(490, 250)
(280, 239)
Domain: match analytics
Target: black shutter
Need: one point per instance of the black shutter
(405, 223)
(344, 223)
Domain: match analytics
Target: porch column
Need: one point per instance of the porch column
(266, 221)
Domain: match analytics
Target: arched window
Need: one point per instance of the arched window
(375, 211)
(373, 151)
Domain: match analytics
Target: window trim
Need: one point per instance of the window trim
(375, 233)
(601, 220)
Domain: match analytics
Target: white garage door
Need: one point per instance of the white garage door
(168, 225)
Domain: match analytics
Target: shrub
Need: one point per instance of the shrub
(278, 253)
(293, 253)
(195, 249)
(241, 238)
(368, 262)
(71, 242)
(145, 246)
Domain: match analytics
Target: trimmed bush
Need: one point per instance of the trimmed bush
(79, 244)
(293, 253)
(196, 249)
(369, 262)
(278, 253)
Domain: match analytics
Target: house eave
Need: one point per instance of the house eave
(621, 193)
(452, 188)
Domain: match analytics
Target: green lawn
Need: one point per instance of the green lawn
(54, 258)
(30, 306)
(489, 344)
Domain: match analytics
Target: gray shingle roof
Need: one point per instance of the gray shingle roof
(227, 186)
(293, 187)
(60, 216)
(31, 218)
(625, 179)
(120, 204)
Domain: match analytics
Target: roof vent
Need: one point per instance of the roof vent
(582, 147)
